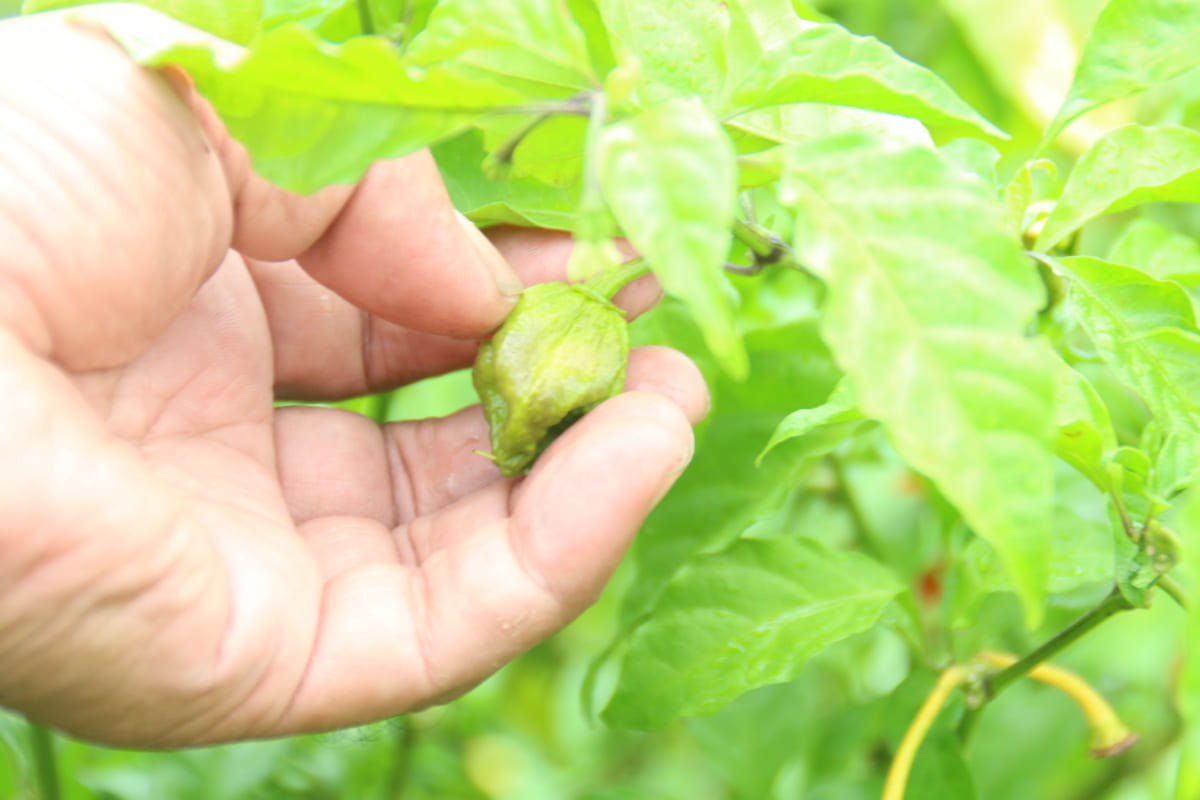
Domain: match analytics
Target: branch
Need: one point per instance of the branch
(1110, 736)
(1175, 591)
(994, 685)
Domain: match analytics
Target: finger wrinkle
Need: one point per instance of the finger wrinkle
(420, 611)
(399, 473)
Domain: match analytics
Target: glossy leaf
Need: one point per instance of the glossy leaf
(1021, 194)
(534, 45)
(332, 20)
(824, 63)
(339, 20)
(928, 301)
(676, 48)
(974, 157)
(669, 177)
(745, 617)
(1187, 696)
(515, 201)
(803, 122)
(1134, 44)
(309, 113)
(1127, 166)
(1085, 431)
(235, 20)
(1080, 552)
(729, 486)
(1145, 329)
(836, 417)
(1158, 251)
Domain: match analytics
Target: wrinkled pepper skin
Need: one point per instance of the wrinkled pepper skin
(561, 351)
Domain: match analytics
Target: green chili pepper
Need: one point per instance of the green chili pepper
(561, 351)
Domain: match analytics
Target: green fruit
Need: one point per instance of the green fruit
(561, 351)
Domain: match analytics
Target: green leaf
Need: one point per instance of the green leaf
(533, 45)
(1145, 329)
(1085, 431)
(549, 149)
(678, 48)
(515, 201)
(332, 20)
(669, 177)
(1127, 166)
(1134, 44)
(824, 63)
(309, 113)
(1187, 696)
(235, 20)
(1021, 194)
(827, 424)
(754, 737)
(974, 157)
(339, 20)
(724, 491)
(928, 303)
(746, 617)
(940, 770)
(1080, 552)
(803, 122)
(1159, 251)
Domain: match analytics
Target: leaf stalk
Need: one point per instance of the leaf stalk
(611, 282)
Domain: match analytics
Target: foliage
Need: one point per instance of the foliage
(954, 394)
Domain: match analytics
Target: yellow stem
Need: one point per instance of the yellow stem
(897, 777)
(1110, 736)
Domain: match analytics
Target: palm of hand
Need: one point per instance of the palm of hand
(184, 563)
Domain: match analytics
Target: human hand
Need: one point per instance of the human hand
(182, 563)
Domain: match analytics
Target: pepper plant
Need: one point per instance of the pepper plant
(952, 346)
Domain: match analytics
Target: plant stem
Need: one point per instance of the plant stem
(906, 753)
(1110, 736)
(592, 222)
(766, 247)
(398, 778)
(609, 283)
(365, 23)
(1108, 606)
(45, 762)
(1175, 591)
(862, 529)
(505, 153)
(1113, 603)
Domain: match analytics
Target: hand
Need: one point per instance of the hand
(181, 562)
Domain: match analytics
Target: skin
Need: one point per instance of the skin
(182, 563)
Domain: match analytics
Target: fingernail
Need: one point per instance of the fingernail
(498, 269)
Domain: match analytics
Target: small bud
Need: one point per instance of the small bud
(561, 351)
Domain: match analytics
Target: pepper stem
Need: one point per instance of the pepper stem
(607, 284)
